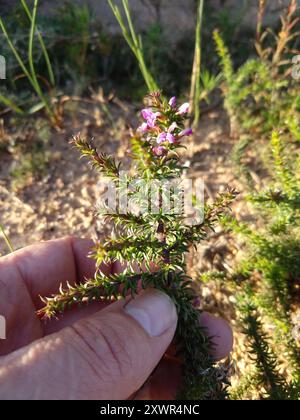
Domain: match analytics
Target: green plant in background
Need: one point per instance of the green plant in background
(134, 41)
(266, 277)
(261, 95)
(72, 34)
(80, 50)
(41, 41)
(29, 70)
(8, 102)
(160, 58)
(269, 382)
(230, 23)
(82, 54)
(202, 82)
(77, 22)
(161, 238)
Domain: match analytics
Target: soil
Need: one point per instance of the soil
(61, 201)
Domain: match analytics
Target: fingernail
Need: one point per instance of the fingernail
(154, 311)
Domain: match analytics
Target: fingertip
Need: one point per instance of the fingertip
(154, 311)
(221, 334)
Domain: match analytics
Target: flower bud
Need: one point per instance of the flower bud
(173, 102)
(184, 109)
(160, 151)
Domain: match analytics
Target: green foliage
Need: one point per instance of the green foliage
(29, 70)
(78, 45)
(148, 239)
(72, 53)
(223, 52)
(105, 164)
(134, 41)
(267, 277)
(248, 384)
(262, 95)
(74, 21)
(267, 374)
(156, 61)
(228, 22)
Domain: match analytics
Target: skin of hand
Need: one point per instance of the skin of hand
(96, 352)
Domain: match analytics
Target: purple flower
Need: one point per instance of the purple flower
(147, 114)
(172, 127)
(162, 138)
(150, 117)
(187, 132)
(184, 109)
(160, 151)
(166, 137)
(170, 138)
(173, 102)
(143, 128)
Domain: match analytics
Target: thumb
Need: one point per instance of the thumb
(107, 356)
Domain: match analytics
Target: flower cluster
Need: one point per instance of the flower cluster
(164, 127)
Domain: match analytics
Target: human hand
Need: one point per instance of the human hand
(98, 351)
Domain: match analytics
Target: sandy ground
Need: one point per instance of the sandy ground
(62, 201)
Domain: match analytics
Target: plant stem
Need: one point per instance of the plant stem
(6, 239)
(15, 52)
(134, 42)
(196, 73)
(41, 41)
(261, 13)
(10, 104)
(29, 73)
(31, 63)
